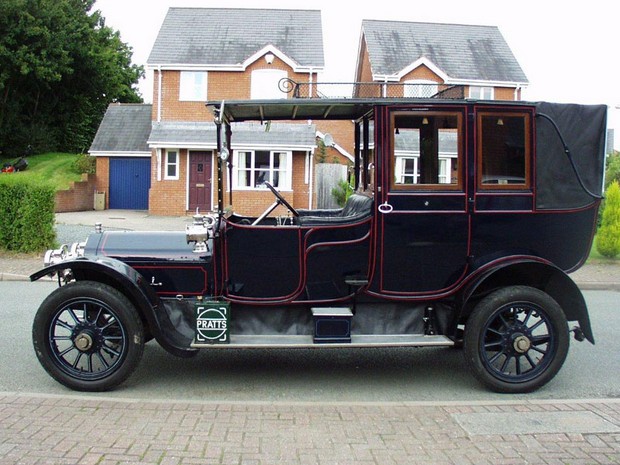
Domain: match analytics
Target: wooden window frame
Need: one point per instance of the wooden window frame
(460, 157)
(527, 118)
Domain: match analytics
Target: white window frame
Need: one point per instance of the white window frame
(167, 164)
(419, 88)
(445, 169)
(399, 168)
(285, 177)
(482, 92)
(264, 84)
(193, 86)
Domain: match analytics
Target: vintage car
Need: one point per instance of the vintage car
(466, 219)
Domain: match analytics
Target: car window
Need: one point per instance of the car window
(426, 150)
(503, 150)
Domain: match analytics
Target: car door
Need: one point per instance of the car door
(422, 240)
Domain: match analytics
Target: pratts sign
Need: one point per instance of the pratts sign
(212, 320)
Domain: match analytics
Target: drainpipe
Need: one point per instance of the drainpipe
(310, 94)
(311, 166)
(159, 93)
(158, 155)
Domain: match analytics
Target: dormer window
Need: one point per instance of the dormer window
(419, 88)
(265, 84)
(481, 93)
(193, 86)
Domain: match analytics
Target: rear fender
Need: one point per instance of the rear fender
(541, 275)
(128, 281)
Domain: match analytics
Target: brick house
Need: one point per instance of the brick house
(409, 59)
(203, 54)
(399, 59)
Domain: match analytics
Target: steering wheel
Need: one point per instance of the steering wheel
(281, 199)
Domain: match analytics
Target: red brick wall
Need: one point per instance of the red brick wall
(343, 134)
(79, 197)
(506, 93)
(364, 74)
(103, 177)
(221, 85)
(168, 197)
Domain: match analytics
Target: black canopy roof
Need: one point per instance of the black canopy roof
(323, 108)
(293, 109)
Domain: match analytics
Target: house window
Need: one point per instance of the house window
(426, 150)
(481, 93)
(265, 84)
(252, 168)
(419, 88)
(171, 169)
(503, 150)
(193, 86)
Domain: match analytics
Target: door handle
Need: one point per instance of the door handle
(385, 208)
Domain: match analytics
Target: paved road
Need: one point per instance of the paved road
(366, 407)
(315, 375)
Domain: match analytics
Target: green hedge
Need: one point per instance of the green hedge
(608, 236)
(26, 215)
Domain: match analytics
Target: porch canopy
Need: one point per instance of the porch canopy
(202, 135)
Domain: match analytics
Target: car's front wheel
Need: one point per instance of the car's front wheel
(516, 339)
(88, 336)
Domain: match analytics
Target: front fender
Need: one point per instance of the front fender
(534, 273)
(128, 281)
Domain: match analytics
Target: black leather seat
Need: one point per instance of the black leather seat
(357, 208)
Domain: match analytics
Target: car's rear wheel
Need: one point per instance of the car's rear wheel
(516, 339)
(88, 336)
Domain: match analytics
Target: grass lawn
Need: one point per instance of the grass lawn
(55, 168)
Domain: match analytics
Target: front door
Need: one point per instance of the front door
(423, 220)
(200, 174)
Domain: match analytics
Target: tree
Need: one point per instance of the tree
(612, 171)
(61, 68)
(608, 236)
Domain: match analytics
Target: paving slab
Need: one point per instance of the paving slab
(534, 422)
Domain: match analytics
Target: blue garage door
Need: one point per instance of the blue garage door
(130, 181)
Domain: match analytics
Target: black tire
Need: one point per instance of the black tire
(516, 339)
(88, 336)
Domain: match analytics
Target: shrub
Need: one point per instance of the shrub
(84, 163)
(26, 215)
(608, 237)
(343, 191)
(612, 171)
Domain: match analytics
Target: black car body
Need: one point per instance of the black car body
(466, 220)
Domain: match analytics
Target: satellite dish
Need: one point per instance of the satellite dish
(328, 140)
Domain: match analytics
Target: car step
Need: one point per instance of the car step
(307, 341)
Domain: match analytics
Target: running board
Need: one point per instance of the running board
(368, 340)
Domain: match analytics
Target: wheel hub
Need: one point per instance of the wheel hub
(83, 342)
(521, 344)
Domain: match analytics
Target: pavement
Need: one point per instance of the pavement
(38, 429)
(95, 429)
